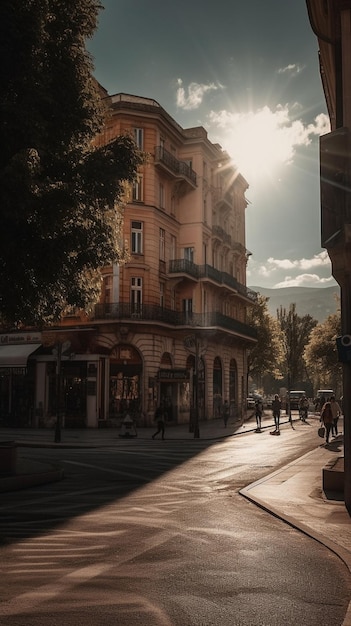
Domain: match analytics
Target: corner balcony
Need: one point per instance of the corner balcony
(187, 269)
(176, 169)
(153, 314)
(219, 233)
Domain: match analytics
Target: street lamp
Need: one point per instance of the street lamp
(60, 350)
(193, 344)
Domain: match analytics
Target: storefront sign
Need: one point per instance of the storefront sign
(173, 375)
(20, 338)
(13, 371)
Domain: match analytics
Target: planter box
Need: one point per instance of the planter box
(333, 475)
(8, 457)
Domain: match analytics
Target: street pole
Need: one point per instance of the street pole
(345, 329)
(192, 344)
(58, 353)
(196, 389)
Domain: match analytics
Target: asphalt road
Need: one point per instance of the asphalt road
(155, 533)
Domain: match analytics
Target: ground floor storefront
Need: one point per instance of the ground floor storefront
(94, 377)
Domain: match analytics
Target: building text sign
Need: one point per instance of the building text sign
(173, 374)
(19, 338)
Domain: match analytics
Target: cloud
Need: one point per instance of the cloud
(196, 92)
(297, 270)
(261, 140)
(318, 260)
(303, 280)
(293, 68)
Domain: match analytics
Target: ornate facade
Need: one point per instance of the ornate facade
(171, 325)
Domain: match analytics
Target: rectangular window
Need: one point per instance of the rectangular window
(189, 254)
(173, 205)
(162, 196)
(162, 295)
(107, 288)
(173, 248)
(136, 296)
(188, 305)
(187, 309)
(139, 138)
(138, 189)
(204, 253)
(162, 146)
(162, 250)
(205, 170)
(204, 301)
(137, 238)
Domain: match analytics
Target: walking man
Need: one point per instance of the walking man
(160, 420)
(276, 408)
(225, 413)
(258, 414)
(336, 411)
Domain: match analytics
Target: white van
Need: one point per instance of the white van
(326, 393)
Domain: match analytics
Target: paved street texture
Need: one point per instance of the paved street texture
(155, 532)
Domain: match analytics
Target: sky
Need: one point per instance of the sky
(247, 72)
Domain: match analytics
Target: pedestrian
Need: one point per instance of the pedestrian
(327, 419)
(160, 420)
(322, 401)
(225, 413)
(303, 408)
(276, 408)
(336, 410)
(258, 414)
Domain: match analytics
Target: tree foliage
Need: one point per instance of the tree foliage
(296, 333)
(266, 356)
(60, 195)
(321, 356)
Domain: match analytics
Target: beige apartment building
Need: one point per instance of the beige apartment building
(171, 326)
(178, 307)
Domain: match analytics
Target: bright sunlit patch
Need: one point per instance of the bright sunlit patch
(260, 142)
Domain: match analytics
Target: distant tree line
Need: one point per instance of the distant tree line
(293, 351)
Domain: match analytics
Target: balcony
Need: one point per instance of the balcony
(184, 267)
(178, 169)
(159, 315)
(202, 272)
(219, 233)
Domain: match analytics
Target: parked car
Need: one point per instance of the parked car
(295, 397)
(326, 393)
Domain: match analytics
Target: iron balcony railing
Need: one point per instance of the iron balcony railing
(180, 168)
(154, 313)
(218, 231)
(183, 266)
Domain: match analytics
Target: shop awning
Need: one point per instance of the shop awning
(16, 356)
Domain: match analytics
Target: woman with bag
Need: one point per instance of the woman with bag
(327, 419)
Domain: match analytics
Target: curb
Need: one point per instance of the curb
(22, 481)
(341, 553)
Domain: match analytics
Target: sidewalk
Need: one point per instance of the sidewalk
(293, 493)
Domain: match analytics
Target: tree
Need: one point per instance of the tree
(266, 356)
(60, 195)
(296, 333)
(321, 356)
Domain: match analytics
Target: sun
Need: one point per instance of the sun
(259, 142)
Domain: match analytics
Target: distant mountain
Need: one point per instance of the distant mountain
(319, 302)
